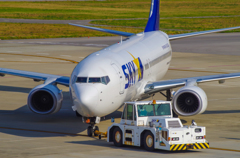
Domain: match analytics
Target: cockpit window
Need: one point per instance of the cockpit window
(94, 80)
(105, 80)
(81, 80)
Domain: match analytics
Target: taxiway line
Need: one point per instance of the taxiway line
(224, 149)
(75, 62)
(32, 130)
(35, 62)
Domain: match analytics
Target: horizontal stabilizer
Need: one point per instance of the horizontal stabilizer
(120, 33)
(185, 35)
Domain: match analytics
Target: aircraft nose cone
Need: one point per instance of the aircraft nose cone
(88, 99)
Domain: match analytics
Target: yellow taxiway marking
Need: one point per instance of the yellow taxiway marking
(72, 61)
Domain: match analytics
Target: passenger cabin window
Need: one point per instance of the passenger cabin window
(81, 80)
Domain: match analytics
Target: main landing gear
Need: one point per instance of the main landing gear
(168, 96)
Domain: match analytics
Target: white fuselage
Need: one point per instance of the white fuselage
(129, 64)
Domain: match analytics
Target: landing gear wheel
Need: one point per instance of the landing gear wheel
(78, 115)
(90, 131)
(95, 129)
(148, 141)
(117, 137)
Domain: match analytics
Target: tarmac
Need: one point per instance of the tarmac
(25, 134)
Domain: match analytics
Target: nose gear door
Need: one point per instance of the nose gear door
(120, 75)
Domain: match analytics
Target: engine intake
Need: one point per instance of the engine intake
(45, 99)
(189, 100)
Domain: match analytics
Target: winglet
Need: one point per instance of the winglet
(153, 20)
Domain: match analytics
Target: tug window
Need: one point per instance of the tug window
(130, 112)
(154, 110)
(162, 109)
(124, 113)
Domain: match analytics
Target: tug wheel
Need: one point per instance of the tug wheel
(117, 137)
(149, 141)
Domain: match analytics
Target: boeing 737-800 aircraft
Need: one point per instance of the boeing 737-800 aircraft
(125, 71)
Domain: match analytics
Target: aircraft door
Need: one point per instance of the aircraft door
(121, 77)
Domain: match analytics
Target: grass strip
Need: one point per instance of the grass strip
(176, 25)
(33, 31)
(116, 9)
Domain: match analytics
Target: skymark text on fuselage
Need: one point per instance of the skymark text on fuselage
(130, 76)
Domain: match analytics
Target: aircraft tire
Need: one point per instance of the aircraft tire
(90, 131)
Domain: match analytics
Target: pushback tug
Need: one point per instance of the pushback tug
(151, 124)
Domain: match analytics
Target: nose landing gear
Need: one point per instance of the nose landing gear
(92, 129)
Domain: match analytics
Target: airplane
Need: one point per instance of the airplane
(126, 71)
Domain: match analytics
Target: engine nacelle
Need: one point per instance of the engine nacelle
(189, 100)
(45, 99)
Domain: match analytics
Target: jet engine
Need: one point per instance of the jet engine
(45, 99)
(189, 100)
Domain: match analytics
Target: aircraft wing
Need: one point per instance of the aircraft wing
(126, 34)
(178, 36)
(171, 37)
(155, 87)
(63, 80)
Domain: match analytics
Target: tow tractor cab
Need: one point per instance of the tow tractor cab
(151, 124)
